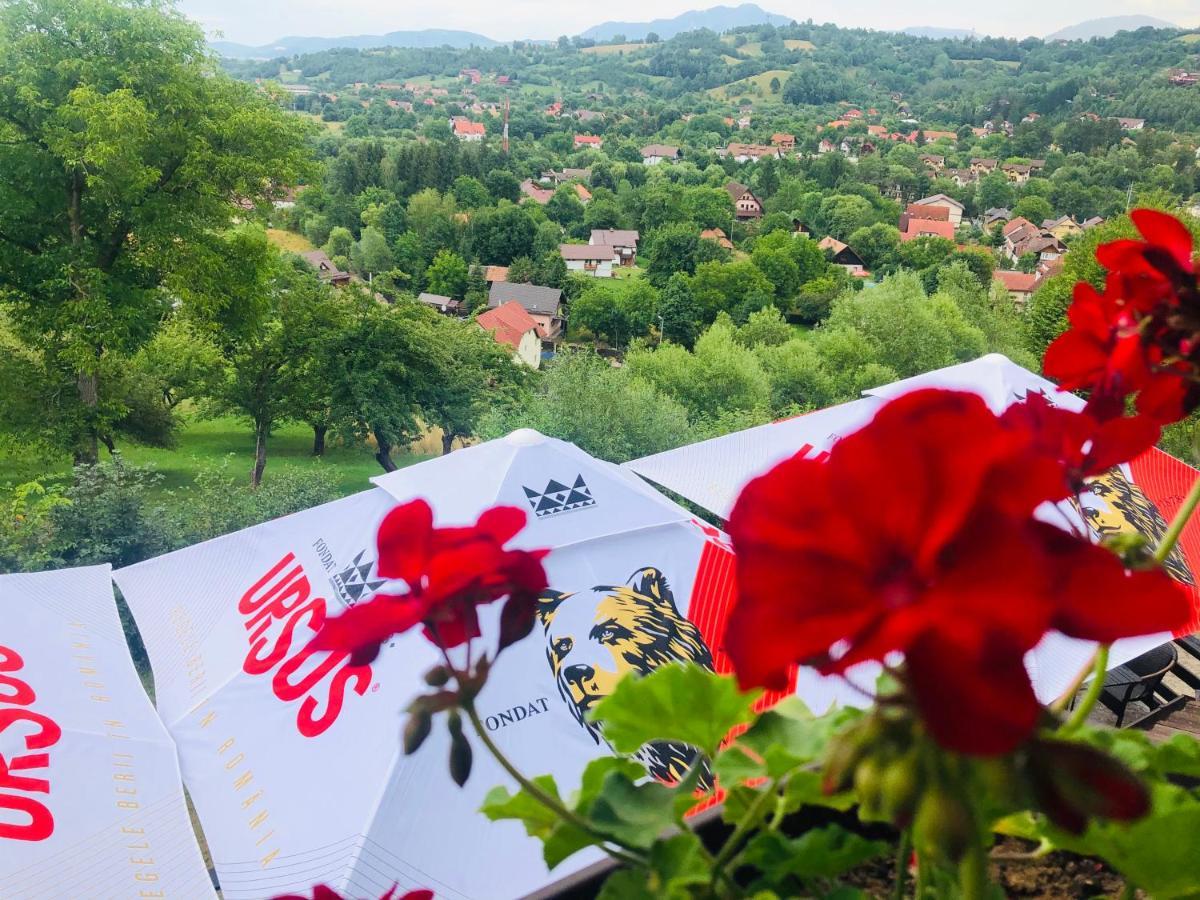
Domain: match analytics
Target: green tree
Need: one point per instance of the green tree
(372, 254)
(474, 374)
(498, 235)
(447, 275)
(1035, 209)
(671, 249)
(876, 244)
(581, 398)
(679, 316)
(117, 164)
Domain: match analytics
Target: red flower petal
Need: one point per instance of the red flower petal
(362, 628)
(976, 699)
(404, 541)
(502, 523)
(1165, 231)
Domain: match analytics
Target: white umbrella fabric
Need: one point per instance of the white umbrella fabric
(91, 802)
(1146, 491)
(294, 762)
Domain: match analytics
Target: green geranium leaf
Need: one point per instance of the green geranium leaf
(1179, 756)
(789, 736)
(741, 798)
(679, 861)
(820, 853)
(627, 884)
(684, 703)
(592, 782)
(637, 814)
(559, 839)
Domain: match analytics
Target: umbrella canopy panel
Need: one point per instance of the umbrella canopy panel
(93, 805)
(313, 746)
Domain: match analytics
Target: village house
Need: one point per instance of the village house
(745, 204)
(955, 208)
(961, 177)
(1062, 227)
(914, 227)
(1017, 173)
(930, 136)
(624, 242)
(326, 270)
(544, 304)
(493, 274)
(1099, 220)
(841, 255)
(589, 140)
(983, 166)
(564, 175)
(447, 306)
(466, 130)
(1020, 285)
(783, 141)
(826, 146)
(933, 161)
(653, 154)
(749, 152)
(995, 214)
(717, 236)
(1131, 124)
(539, 195)
(512, 326)
(596, 260)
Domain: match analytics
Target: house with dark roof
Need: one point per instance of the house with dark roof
(544, 304)
(995, 214)
(653, 154)
(842, 255)
(624, 241)
(326, 270)
(512, 326)
(745, 204)
(447, 306)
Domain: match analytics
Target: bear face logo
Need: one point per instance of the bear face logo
(1114, 505)
(595, 637)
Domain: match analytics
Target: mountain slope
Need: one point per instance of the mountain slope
(1107, 27)
(718, 19)
(289, 46)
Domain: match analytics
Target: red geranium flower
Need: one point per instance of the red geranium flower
(917, 534)
(449, 573)
(1142, 334)
(1085, 444)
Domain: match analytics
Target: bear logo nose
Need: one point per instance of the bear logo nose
(578, 674)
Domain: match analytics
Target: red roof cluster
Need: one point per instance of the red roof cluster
(508, 323)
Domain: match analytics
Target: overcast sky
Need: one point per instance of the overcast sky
(261, 21)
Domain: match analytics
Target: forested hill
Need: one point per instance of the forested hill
(952, 80)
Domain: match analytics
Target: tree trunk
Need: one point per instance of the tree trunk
(108, 442)
(260, 456)
(88, 386)
(319, 439)
(447, 443)
(384, 456)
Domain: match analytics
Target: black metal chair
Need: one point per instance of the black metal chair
(1138, 681)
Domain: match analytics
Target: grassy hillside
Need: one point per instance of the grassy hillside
(756, 86)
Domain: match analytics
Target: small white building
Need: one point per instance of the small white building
(653, 154)
(596, 260)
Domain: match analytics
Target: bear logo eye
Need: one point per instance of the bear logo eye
(607, 635)
(563, 646)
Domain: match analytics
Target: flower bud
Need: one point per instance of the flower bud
(416, 730)
(460, 757)
(943, 826)
(437, 676)
(868, 784)
(900, 788)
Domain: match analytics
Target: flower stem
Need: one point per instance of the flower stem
(972, 874)
(734, 841)
(1175, 529)
(633, 857)
(902, 854)
(1084, 709)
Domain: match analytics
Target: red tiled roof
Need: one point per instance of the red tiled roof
(462, 126)
(927, 227)
(919, 211)
(495, 273)
(508, 323)
(1019, 282)
(589, 139)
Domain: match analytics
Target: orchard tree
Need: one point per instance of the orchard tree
(447, 275)
(123, 148)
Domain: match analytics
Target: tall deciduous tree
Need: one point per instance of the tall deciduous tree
(122, 147)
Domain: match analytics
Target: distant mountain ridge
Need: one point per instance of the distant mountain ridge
(290, 46)
(1107, 27)
(716, 18)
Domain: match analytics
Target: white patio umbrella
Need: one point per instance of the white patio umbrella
(712, 474)
(92, 804)
(294, 761)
